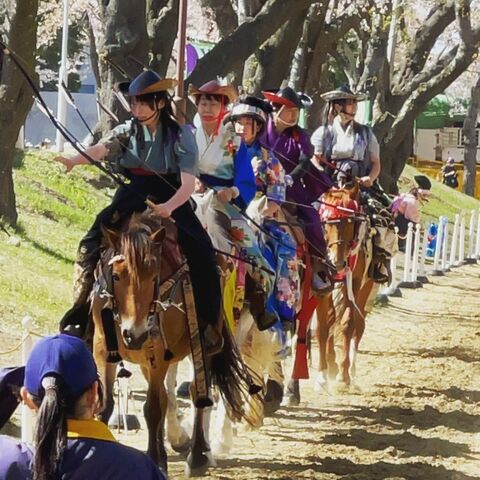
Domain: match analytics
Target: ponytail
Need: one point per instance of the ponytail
(51, 431)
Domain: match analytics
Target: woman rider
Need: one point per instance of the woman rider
(225, 166)
(249, 116)
(348, 149)
(291, 144)
(61, 384)
(160, 158)
(349, 145)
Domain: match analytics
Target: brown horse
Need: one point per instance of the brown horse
(147, 289)
(345, 308)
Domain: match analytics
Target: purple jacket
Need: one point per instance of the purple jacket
(291, 146)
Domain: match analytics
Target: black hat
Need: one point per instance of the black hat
(342, 93)
(147, 82)
(289, 97)
(250, 106)
(423, 182)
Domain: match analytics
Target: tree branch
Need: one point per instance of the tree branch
(237, 47)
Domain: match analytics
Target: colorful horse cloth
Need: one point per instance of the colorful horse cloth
(280, 249)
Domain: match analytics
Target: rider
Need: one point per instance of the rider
(291, 145)
(160, 158)
(349, 149)
(249, 116)
(61, 384)
(225, 166)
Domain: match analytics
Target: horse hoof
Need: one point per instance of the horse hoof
(292, 400)
(355, 389)
(271, 407)
(342, 387)
(181, 447)
(196, 467)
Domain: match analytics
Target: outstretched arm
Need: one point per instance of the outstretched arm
(97, 152)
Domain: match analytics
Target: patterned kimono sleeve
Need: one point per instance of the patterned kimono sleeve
(117, 141)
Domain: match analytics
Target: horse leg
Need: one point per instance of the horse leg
(224, 440)
(322, 335)
(274, 393)
(176, 434)
(107, 376)
(197, 460)
(155, 411)
(347, 335)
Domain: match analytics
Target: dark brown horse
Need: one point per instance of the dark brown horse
(151, 301)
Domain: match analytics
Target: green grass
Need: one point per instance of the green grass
(442, 201)
(56, 209)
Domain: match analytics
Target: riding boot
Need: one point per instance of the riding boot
(75, 320)
(257, 297)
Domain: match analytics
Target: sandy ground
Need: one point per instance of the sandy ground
(417, 417)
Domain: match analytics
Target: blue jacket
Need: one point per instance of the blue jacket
(92, 453)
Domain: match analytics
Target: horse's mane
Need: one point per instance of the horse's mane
(341, 197)
(142, 254)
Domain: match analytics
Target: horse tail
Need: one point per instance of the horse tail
(229, 373)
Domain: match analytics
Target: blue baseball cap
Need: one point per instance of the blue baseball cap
(64, 356)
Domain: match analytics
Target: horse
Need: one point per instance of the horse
(341, 316)
(144, 284)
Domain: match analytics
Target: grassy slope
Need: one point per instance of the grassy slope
(56, 209)
(54, 212)
(443, 200)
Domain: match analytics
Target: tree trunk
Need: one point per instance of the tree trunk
(275, 56)
(15, 98)
(470, 141)
(121, 41)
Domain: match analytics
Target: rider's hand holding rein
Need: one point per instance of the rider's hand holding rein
(96, 152)
(227, 194)
(181, 196)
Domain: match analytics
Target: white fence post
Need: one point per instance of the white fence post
(437, 271)
(421, 277)
(408, 253)
(444, 266)
(477, 243)
(453, 250)
(26, 413)
(471, 257)
(416, 250)
(461, 241)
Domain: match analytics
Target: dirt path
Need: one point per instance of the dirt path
(418, 416)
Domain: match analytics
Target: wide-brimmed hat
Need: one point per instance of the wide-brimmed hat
(213, 87)
(147, 82)
(289, 97)
(423, 182)
(343, 93)
(250, 106)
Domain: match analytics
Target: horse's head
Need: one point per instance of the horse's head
(135, 267)
(340, 215)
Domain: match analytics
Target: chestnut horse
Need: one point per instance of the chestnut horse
(150, 296)
(345, 309)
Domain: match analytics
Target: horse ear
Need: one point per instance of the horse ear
(159, 235)
(353, 192)
(111, 237)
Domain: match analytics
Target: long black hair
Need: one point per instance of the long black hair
(170, 126)
(50, 438)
